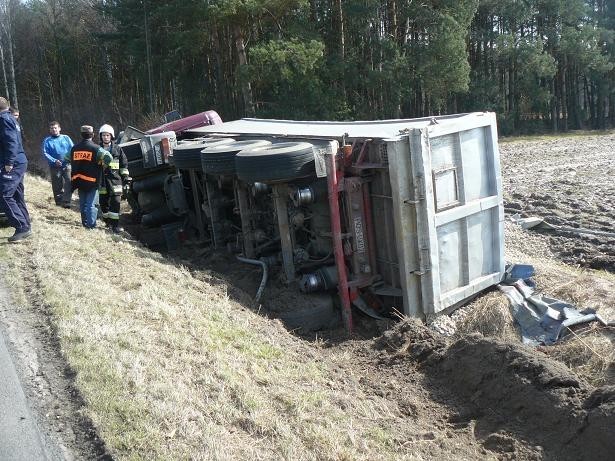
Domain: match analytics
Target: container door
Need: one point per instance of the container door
(459, 209)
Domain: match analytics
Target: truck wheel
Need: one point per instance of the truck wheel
(188, 155)
(136, 168)
(218, 160)
(152, 238)
(279, 163)
(151, 200)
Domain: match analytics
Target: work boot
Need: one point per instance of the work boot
(19, 236)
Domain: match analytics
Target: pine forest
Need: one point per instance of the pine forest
(541, 65)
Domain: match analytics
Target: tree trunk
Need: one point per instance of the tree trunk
(218, 82)
(313, 12)
(108, 74)
(600, 106)
(4, 78)
(338, 15)
(565, 95)
(512, 90)
(148, 54)
(553, 107)
(246, 88)
(9, 48)
(591, 103)
(392, 19)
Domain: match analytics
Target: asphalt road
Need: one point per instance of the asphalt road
(20, 436)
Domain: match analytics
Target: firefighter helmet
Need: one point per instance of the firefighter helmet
(106, 129)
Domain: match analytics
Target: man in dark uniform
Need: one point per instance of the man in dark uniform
(87, 162)
(15, 113)
(115, 178)
(13, 163)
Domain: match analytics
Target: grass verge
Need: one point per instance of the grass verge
(169, 366)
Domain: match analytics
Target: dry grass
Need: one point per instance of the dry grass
(589, 352)
(491, 317)
(171, 368)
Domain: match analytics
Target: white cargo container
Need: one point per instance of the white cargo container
(435, 200)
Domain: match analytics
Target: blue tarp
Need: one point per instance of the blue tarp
(543, 320)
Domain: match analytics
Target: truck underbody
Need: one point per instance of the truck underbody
(383, 216)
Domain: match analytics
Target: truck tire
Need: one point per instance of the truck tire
(278, 163)
(136, 168)
(153, 238)
(188, 155)
(218, 160)
(152, 182)
(151, 200)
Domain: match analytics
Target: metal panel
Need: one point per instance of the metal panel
(454, 168)
(405, 195)
(318, 129)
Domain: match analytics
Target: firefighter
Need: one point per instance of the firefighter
(116, 179)
(88, 161)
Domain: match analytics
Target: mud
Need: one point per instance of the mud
(514, 398)
(568, 181)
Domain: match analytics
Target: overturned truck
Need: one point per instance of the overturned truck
(387, 215)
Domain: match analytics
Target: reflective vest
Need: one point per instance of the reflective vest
(86, 171)
(119, 164)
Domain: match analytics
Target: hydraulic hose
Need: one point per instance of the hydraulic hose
(263, 265)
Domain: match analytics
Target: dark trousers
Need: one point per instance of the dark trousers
(110, 205)
(13, 200)
(60, 184)
(110, 196)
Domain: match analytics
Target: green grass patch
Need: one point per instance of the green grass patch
(169, 366)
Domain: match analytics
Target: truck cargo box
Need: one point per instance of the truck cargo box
(434, 227)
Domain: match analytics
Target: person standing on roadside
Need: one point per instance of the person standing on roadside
(15, 113)
(115, 179)
(13, 163)
(55, 149)
(88, 161)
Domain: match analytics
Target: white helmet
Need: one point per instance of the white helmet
(106, 129)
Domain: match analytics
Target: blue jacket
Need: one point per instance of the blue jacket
(56, 148)
(11, 149)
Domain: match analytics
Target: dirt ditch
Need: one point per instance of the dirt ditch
(520, 403)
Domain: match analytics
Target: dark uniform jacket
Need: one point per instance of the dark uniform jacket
(117, 169)
(85, 159)
(11, 149)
